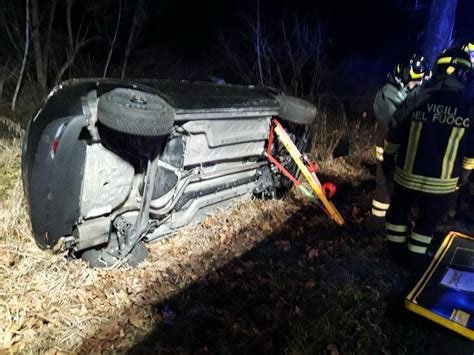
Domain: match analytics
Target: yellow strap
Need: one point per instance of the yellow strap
(315, 184)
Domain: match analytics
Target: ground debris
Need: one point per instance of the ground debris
(264, 276)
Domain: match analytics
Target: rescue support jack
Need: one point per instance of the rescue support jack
(308, 168)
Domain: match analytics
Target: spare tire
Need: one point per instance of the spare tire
(296, 110)
(135, 112)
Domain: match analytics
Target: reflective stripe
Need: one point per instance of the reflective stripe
(396, 238)
(378, 213)
(380, 205)
(468, 163)
(414, 75)
(413, 140)
(390, 148)
(379, 156)
(451, 60)
(416, 249)
(421, 238)
(396, 227)
(426, 179)
(451, 152)
(378, 149)
(425, 183)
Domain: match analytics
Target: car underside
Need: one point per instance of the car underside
(108, 164)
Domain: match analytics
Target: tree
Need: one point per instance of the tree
(133, 34)
(41, 49)
(25, 56)
(439, 28)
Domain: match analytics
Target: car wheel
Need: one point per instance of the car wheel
(135, 112)
(295, 110)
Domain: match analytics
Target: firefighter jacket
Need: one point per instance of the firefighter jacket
(434, 139)
(387, 100)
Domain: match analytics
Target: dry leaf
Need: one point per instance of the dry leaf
(6, 340)
(135, 319)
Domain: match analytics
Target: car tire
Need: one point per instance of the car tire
(135, 112)
(295, 110)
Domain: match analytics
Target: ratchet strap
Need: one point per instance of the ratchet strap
(308, 168)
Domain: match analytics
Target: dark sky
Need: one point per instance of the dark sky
(186, 25)
(370, 28)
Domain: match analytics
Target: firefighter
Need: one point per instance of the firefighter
(428, 155)
(469, 48)
(405, 77)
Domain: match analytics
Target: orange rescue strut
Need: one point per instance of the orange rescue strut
(308, 168)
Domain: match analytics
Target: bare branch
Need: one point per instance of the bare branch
(112, 44)
(131, 37)
(25, 56)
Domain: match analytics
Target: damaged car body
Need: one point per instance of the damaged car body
(109, 164)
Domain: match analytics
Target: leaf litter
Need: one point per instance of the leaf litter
(53, 305)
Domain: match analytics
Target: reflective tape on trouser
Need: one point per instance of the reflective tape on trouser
(419, 243)
(379, 209)
(396, 227)
(396, 233)
(380, 205)
(416, 249)
(379, 153)
(378, 213)
(425, 239)
(396, 238)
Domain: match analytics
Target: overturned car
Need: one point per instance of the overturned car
(110, 164)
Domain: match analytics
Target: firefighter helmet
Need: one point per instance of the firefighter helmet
(416, 69)
(469, 49)
(454, 61)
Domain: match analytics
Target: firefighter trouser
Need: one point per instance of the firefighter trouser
(431, 208)
(381, 200)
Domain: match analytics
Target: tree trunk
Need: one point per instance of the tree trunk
(439, 28)
(36, 40)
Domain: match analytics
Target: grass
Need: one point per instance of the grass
(267, 276)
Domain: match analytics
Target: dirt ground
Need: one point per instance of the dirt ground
(264, 276)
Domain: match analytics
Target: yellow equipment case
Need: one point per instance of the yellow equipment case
(445, 292)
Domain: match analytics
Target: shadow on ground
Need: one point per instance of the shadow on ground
(310, 287)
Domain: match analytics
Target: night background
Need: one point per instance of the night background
(267, 276)
(349, 48)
